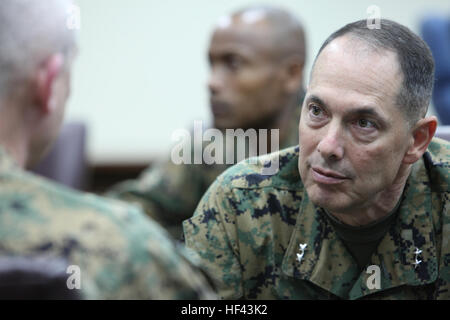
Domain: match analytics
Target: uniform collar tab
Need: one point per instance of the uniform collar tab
(327, 263)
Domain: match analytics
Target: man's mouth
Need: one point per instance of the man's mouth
(324, 176)
(219, 108)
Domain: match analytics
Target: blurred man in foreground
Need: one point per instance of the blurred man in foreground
(112, 250)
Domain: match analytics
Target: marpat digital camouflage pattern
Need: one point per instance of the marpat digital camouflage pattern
(248, 228)
(120, 252)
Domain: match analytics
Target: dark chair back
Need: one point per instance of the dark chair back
(41, 278)
(66, 162)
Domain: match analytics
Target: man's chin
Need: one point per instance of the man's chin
(223, 124)
(330, 201)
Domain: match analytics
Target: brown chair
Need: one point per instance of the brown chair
(66, 162)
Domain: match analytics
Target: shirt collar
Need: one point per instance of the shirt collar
(6, 162)
(328, 264)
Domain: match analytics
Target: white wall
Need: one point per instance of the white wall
(142, 71)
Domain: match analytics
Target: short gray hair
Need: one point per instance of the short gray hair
(30, 31)
(414, 57)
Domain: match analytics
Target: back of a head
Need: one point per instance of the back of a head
(413, 55)
(30, 31)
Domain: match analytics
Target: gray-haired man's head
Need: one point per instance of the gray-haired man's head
(413, 56)
(363, 120)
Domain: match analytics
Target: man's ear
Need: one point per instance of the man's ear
(46, 76)
(423, 132)
(293, 69)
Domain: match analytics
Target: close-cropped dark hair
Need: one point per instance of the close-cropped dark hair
(414, 57)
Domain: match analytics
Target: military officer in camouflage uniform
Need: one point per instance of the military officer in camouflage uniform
(112, 250)
(256, 57)
(361, 209)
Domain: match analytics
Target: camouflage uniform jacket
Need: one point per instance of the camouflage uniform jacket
(248, 229)
(120, 253)
(169, 193)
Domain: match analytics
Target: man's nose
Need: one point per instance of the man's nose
(331, 146)
(215, 81)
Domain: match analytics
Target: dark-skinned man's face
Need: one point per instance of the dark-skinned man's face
(245, 85)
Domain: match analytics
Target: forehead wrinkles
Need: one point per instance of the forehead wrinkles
(353, 66)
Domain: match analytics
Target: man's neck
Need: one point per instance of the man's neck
(283, 123)
(13, 137)
(381, 205)
(15, 148)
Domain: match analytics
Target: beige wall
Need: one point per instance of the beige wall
(142, 68)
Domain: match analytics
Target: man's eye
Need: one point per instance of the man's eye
(315, 110)
(233, 62)
(364, 123)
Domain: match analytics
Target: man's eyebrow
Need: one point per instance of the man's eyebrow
(316, 99)
(360, 111)
(366, 111)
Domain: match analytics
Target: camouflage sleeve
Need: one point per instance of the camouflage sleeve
(168, 193)
(211, 235)
(119, 251)
(157, 268)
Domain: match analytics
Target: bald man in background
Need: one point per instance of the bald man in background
(118, 252)
(257, 56)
